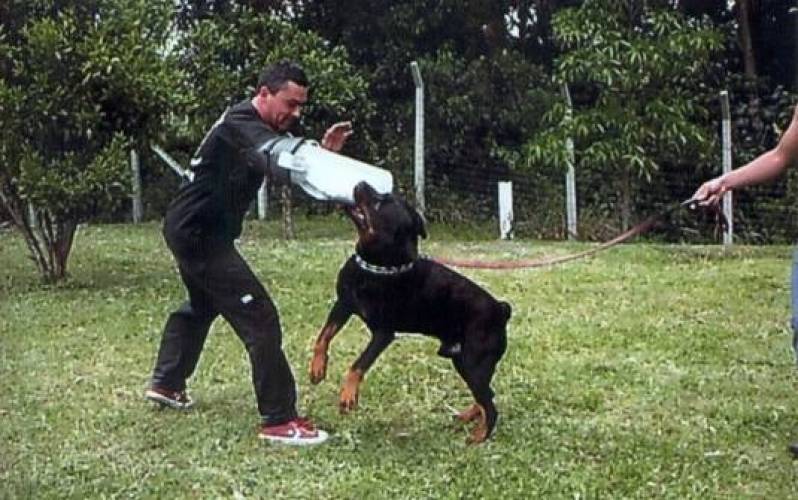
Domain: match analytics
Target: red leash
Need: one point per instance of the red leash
(640, 228)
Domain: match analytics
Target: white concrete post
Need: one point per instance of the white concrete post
(263, 199)
(570, 176)
(138, 208)
(727, 166)
(506, 210)
(421, 203)
(33, 221)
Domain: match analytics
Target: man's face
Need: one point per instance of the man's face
(283, 108)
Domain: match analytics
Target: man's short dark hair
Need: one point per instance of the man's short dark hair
(276, 75)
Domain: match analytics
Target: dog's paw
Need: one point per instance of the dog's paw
(469, 415)
(478, 435)
(481, 432)
(349, 392)
(318, 368)
(347, 401)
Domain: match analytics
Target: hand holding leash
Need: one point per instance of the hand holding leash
(710, 192)
(709, 203)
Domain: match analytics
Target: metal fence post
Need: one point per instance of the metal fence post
(506, 210)
(263, 198)
(570, 175)
(138, 208)
(421, 204)
(172, 163)
(727, 166)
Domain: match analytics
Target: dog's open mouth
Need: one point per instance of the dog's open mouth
(357, 215)
(363, 195)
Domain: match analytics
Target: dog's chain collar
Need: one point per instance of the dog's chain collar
(384, 271)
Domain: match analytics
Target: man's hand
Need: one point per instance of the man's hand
(335, 136)
(710, 192)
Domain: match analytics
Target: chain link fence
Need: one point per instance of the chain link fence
(468, 194)
(764, 214)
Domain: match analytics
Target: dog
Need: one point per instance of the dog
(393, 290)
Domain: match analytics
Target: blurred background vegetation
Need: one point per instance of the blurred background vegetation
(84, 81)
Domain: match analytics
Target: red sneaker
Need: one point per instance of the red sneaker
(178, 400)
(297, 432)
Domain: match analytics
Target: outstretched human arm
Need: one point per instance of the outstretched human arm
(763, 168)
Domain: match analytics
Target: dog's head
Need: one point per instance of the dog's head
(388, 227)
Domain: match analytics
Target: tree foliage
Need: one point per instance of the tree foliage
(483, 77)
(81, 82)
(222, 57)
(637, 75)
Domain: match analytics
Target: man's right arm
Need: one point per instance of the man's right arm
(265, 156)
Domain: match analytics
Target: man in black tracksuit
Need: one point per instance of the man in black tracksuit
(200, 227)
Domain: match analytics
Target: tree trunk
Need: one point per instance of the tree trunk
(746, 43)
(63, 233)
(49, 240)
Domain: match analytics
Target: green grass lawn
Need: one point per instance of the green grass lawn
(645, 371)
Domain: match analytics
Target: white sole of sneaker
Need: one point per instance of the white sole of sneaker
(295, 441)
(164, 401)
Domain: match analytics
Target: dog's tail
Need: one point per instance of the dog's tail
(506, 311)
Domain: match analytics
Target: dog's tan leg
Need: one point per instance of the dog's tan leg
(350, 391)
(339, 315)
(318, 364)
(470, 414)
(480, 432)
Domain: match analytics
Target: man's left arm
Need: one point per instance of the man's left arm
(335, 137)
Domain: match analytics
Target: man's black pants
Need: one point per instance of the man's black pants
(219, 282)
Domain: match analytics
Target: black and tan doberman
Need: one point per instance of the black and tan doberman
(393, 290)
